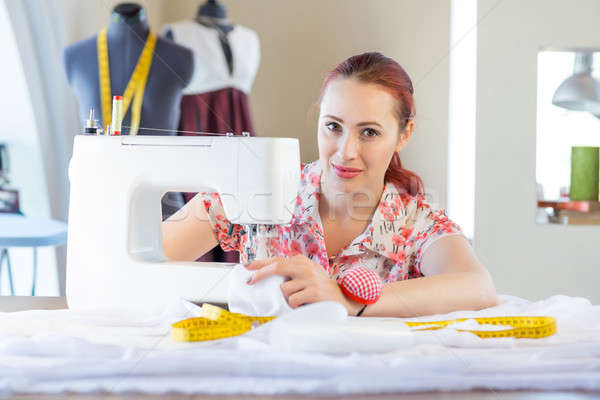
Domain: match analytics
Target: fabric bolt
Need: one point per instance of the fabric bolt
(66, 351)
(392, 245)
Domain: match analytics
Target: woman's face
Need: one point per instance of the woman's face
(358, 135)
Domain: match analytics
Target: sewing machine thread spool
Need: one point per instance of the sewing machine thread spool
(117, 114)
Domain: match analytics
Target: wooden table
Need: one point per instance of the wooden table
(20, 303)
(573, 212)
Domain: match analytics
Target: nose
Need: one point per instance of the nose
(348, 147)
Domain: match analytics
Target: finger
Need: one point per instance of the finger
(264, 272)
(257, 264)
(284, 267)
(300, 298)
(292, 286)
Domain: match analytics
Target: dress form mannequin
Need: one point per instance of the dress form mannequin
(226, 59)
(171, 70)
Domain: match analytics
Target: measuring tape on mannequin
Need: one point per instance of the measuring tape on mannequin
(135, 87)
(218, 323)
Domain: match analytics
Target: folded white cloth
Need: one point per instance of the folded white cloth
(60, 351)
(263, 298)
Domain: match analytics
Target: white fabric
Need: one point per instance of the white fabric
(63, 350)
(210, 65)
(263, 298)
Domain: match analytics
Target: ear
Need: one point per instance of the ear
(405, 135)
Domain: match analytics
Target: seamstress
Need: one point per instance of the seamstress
(356, 206)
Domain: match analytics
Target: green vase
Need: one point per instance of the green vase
(585, 169)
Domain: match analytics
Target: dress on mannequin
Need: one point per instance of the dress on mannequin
(216, 100)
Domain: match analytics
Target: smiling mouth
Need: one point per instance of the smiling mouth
(346, 173)
(346, 169)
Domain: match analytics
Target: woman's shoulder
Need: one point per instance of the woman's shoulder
(415, 207)
(417, 215)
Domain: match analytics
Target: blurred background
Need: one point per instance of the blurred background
(488, 141)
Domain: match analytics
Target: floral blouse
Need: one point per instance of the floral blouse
(393, 243)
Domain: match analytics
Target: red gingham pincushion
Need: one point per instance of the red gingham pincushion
(361, 284)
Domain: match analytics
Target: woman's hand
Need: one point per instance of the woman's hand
(308, 283)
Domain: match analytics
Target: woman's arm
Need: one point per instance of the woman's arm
(187, 234)
(454, 280)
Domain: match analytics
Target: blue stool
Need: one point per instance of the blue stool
(20, 231)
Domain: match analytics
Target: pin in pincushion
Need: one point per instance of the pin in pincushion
(361, 285)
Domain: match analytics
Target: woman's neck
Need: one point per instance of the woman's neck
(344, 207)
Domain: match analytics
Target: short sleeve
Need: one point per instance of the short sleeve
(435, 224)
(228, 234)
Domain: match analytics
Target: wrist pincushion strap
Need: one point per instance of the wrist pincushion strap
(361, 285)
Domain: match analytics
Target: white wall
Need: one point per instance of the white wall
(527, 260)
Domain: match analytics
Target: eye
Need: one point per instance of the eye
(370, 132)
(333, 126)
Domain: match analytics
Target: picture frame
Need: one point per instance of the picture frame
(9, 201)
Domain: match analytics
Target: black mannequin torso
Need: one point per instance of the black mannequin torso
(171, 70)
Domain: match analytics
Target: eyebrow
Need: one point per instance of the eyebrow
(359, 124)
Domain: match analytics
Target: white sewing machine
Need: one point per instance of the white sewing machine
(114, 250)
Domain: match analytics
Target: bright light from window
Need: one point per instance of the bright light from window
(461, 136)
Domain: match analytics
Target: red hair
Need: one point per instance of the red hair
(376, 68)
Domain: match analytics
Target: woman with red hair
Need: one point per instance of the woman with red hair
(362, 233)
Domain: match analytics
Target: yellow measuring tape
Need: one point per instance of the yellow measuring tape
(218, 323)
(522, 327)
(135, 86)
